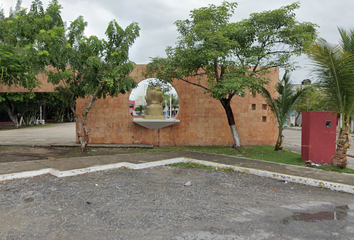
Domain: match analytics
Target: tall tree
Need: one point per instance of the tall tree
(12, 101)
(88, 67)
(334, 66)
(312, 100)
(234, 56)
(23, 105)
(282, 105)
(21, 55)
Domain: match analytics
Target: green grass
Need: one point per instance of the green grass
(201, 166)
(334, 169)
(192, 165)
(265, 153)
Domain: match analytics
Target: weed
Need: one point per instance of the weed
(201, 166)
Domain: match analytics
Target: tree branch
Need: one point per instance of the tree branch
(231, 95)
(63, 81)
(222, 71)
(217, 77)
(263, 45)
(93, 98)
(195, 84)
(268, 53)
(199, 74)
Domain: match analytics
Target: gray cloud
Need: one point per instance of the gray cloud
(156, 19)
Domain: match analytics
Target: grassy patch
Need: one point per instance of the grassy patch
(265, 153)
(335, 169)
(201, 166)
(192, 165)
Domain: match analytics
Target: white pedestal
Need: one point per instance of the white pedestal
(155, 123)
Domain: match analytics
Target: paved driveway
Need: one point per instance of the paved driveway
(48, 134)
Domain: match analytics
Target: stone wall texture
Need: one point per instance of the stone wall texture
(203, 120)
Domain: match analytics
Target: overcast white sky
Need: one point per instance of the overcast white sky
(156, 19)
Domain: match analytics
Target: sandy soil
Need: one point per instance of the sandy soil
(21, 153)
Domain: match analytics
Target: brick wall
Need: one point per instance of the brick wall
(202, 119)
(44, 86)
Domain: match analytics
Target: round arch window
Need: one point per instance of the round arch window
(137, 100)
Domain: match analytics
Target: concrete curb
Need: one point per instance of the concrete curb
(280, 176)
(293, 128)
(284, 177)
(298, 145)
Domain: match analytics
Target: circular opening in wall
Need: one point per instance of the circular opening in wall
(138, 104)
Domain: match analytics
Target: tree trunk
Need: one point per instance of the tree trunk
(340, 156)
(297, 118)
(22, 114)
(84, 139)
(70, 118)
(12, 115)
(44, 112)
(279, 144)
(230, 118)
(14, 119)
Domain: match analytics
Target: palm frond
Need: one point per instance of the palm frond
(287, 97)
(335, 70)
(347, 41)
(270, 102)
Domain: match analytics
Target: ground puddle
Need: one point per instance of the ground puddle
(336, 214)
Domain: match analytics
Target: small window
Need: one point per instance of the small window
(264, 118)
(253, 95)
(264, 106)
(253, 107)
(131, 105)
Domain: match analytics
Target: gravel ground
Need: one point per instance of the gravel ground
(155, 204)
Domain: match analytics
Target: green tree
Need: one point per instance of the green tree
(12, 101)
(234, 56)
(166, 100)
(312, 100)
(282, 105)
(21, 55)
(139, 109)
(334, 66)
(58, 106)
(23, 105)
(29, 107)
(97, 68)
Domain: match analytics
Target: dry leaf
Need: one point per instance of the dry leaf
(274, 190)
